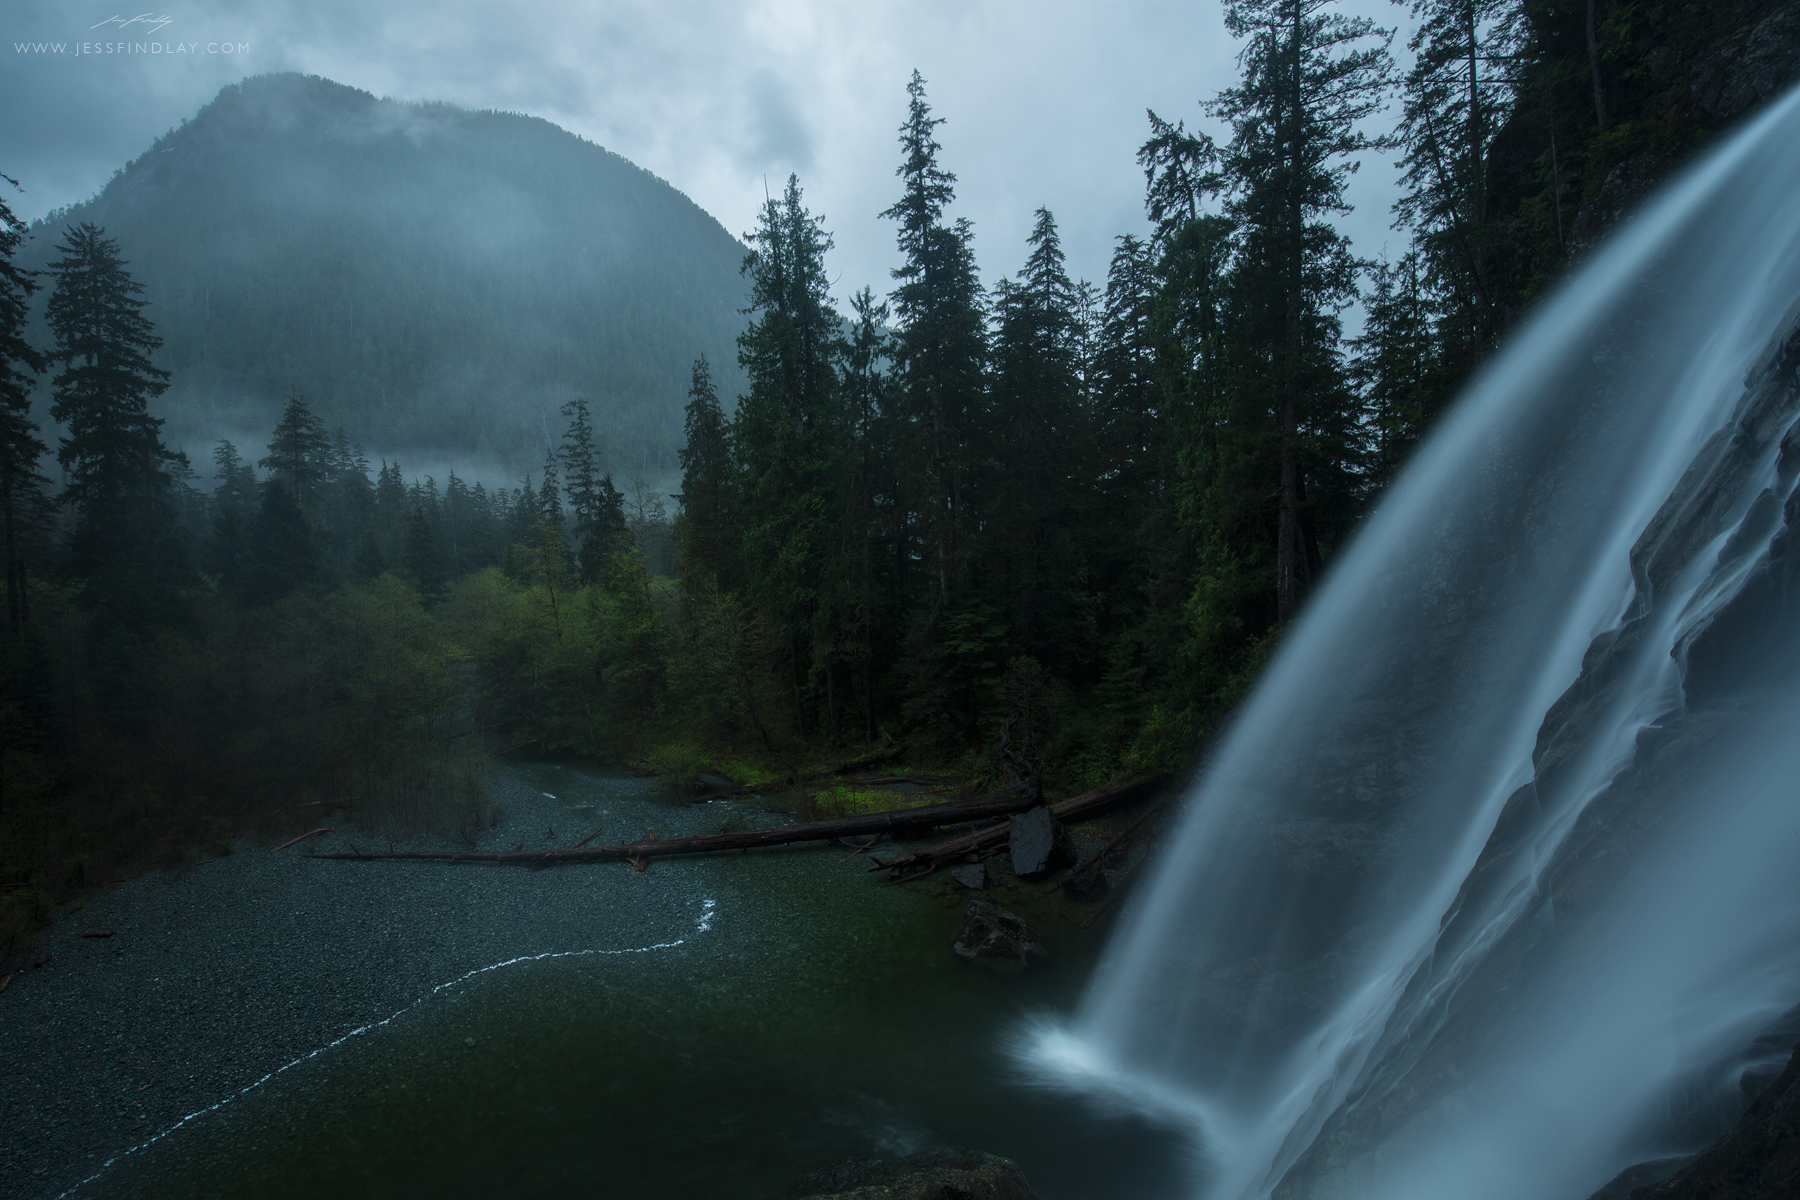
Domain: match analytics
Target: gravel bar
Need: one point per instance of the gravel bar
(217, 975)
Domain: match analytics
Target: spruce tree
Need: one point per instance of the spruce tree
(234, 506)
(1395, 363)
(705, 523)
(550, 505)
(1457, 94)
(939, 350)
(871, 523)
(787, 432)
(282, 554)
(22, 494)
(119, 474)
(1311, 79)
(300, 453)
(581, 475)
(421, 559)
(1037, 448)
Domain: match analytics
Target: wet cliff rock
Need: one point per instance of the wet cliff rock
(1730, 665)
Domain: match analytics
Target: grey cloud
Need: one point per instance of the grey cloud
(776, 137)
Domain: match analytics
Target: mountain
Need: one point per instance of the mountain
(439, 282)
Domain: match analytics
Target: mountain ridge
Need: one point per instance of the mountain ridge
(436, 280)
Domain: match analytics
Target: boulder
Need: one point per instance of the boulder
(973, 877)
(1039, 843)
(927, 1175)
(994, 937)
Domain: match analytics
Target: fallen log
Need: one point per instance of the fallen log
(1003, 802)
(304, 836)
(1100, 854)
(1119, 791)
(843, 768)
(855, 764)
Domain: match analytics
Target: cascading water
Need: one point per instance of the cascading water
(1485, 894)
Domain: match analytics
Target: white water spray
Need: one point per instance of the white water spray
(1351, 975)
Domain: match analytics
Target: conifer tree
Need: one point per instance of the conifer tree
(234, 507)
(421, 559)
(788, 429)
(608, 533)
(282, 553)
(870, 520)
(939, 350)
(581, 475)
(1036, 409)
(1311, 79)
(119, 474)
(22, 494)
(1395, 363)
(300, 453)
(1456, 96)
(705, 523)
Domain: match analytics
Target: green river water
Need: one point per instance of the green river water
(817, 1015)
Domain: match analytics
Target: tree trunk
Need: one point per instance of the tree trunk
(999, 803)
(1593, 46)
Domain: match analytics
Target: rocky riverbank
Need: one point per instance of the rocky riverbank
(210, 978)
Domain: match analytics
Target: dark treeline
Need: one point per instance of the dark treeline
(1066, 518)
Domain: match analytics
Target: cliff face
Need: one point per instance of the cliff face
(1671, 76)
(1736, 672)
(1759, 1160)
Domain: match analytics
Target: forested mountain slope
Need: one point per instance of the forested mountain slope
(436, 281)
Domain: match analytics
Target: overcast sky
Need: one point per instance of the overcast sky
(1044, 100)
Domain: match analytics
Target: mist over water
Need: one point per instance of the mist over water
(1377, 958)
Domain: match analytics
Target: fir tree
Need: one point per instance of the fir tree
(1310, 82)
(581, 474)
(1459, 89)
(939, 350)
(299, 457)
(421, 559)
(705, 524)
(22, 494)
(787, 431)
(234, 507)
(118, 472)
(282, 554)
(1036, 407)
(1395, 363)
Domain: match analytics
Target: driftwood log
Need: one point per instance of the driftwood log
(921, 862)
(794, 777)
(1003, 802)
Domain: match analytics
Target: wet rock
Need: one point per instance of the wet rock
(1039, 843)
(1086, 885)
(974, 877)
(927, 1175)
(1637, 1176)
(1758, 1160)
(994, 937)
(711, 782)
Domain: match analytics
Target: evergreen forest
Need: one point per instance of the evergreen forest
(1066, 517)
(437, 280)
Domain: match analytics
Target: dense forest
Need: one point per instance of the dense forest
(440, 281)
(1065, 517)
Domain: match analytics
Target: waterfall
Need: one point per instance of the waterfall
(1483, 892)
